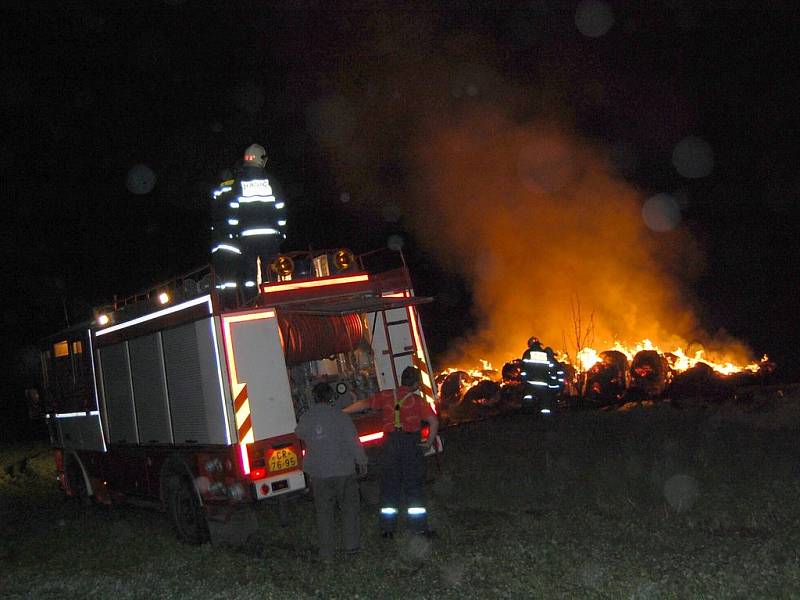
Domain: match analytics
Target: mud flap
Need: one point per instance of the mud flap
(231, 526)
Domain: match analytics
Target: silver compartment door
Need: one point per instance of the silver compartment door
(150, 389)
(194, 385)
(118, 393)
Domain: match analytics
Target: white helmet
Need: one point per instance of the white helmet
(255, 156)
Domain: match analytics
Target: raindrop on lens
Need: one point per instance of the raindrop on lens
(681, 492)
(140, 180)
(594, 18)
(661, 213)
(391, 213)
(693, 157)
(395, 242)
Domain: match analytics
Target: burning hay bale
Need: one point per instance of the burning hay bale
(452, 388)
(511, 372)
(650, 375)
(470, 395)
(607, 380)
(615, 379)
(701, 381)
(484, 394)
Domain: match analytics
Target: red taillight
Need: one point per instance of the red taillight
(425, 432)
(256, 474)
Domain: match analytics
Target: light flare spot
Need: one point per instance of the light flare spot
(392, 212)
(416, 548)
(661, 213)
(453, 574)
(594, 18)
(140, 180)
(681, 492)
(202, 483)
(395, 242)
(591, 574)
(693, 157)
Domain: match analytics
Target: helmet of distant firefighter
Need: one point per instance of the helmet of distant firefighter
(534, 342)
(255, 156)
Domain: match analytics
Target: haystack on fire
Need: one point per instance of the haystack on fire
(493, 178)
(554, 244)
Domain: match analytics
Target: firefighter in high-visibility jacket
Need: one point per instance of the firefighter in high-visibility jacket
(542, 376)
(402, 458)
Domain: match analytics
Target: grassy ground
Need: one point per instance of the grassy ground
(657, 503)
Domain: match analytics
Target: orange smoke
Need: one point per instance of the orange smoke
(542, 228)
(417, 127)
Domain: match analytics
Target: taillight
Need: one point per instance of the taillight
(256, 474)
(425, 432)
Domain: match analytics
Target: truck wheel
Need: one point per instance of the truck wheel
(188, 517)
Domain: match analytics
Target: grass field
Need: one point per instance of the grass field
(659, 503)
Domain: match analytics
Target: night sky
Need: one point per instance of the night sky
(696, 103)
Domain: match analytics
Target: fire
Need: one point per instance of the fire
(588, 357)
(475, 373)
(678, 359)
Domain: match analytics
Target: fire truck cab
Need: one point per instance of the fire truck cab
(186, 397)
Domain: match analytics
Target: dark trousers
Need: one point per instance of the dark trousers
(328, 492)
(403, 474)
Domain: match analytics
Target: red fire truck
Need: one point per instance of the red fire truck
(186, 397)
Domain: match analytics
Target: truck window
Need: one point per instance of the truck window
(68, 377)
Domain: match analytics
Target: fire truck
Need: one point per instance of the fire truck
(186, 397)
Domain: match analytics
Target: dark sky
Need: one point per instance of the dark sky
(89, 92)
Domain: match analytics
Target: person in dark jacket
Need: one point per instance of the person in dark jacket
(333, 451)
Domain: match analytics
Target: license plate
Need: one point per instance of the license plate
(285, 458)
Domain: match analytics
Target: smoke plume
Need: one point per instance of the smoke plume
(492, 179)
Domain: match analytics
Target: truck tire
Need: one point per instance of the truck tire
(188, 517)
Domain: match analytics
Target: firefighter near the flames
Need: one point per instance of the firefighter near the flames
(542, 378)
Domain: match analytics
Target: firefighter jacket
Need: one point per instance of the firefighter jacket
(401, 409)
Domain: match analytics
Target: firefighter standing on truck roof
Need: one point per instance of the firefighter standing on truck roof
(402, 454)
(248, 225)
(333, 453)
